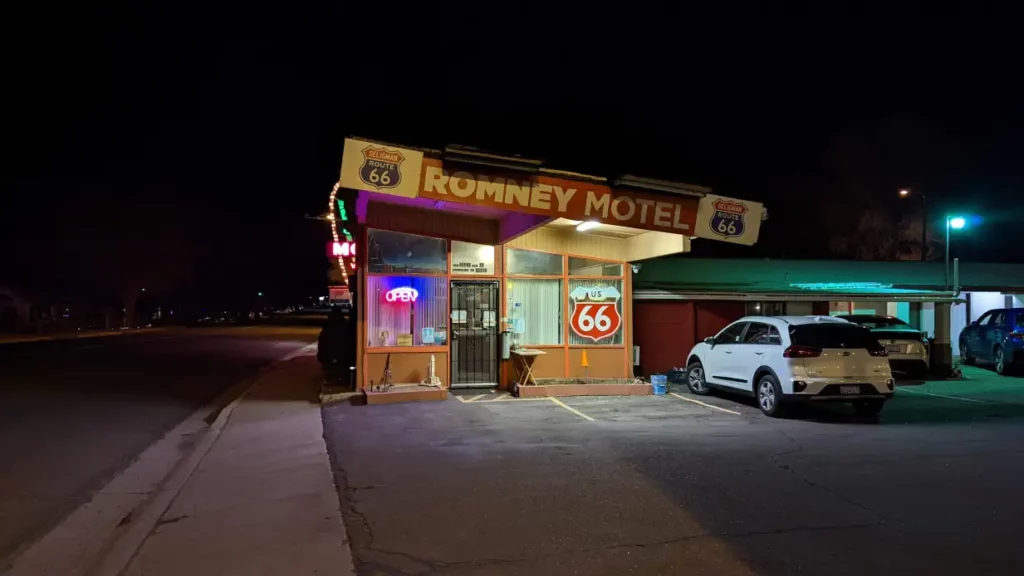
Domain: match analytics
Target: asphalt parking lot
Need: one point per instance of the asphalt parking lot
(486, 484)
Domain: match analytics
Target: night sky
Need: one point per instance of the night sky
(220, 126)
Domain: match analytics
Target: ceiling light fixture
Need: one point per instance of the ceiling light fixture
(584, 226)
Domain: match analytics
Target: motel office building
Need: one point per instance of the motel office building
(461, 252)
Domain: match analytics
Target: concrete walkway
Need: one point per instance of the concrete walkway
(262, 499)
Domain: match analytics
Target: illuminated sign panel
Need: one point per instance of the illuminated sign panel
(342, 249)
(401, 294)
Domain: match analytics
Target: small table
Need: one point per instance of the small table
(524, 367)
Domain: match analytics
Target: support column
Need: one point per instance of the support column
(942, 354)
(916, 311)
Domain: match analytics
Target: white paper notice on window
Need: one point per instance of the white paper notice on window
(458, 316)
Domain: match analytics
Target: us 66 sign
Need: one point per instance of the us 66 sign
(595, 313)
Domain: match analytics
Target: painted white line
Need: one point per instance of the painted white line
(570, 409)
(944, 396)
(459, 398)
(475, 398)
(727, 411)
(498, 399)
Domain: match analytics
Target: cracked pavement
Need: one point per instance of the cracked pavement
(657, 485)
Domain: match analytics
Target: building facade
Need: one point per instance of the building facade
(461, 259)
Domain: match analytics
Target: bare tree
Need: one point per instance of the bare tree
(133, 247)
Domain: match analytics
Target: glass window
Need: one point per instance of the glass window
(394, 252)
(1020, 320)
(535, 310)
(731, 335)
(833, 335)
(871, 321)
(406, 311)
(765, 308)
(595, 312)
(534, 263)
(588, 267)
(473, 259)
(757, 333)
(996, 319)
(773, 337)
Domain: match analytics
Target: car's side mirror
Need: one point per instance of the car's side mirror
(710, 340)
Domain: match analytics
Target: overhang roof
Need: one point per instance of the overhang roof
(790, 277)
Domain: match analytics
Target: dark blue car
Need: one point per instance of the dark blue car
(997, 337)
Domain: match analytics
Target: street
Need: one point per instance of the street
(486, 484)
(74, 413)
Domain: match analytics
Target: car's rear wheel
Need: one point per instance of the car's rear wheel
(999, 359)
(965, 358)
(769, 396)
(696, 380)
(868, 407)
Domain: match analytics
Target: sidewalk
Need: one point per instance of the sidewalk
(249, 493)
(262, 500)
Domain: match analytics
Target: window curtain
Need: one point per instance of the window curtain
(535, 308)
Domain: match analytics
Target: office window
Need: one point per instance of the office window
(406, 311)
(397, 253)
(535, 310)
(534, 263)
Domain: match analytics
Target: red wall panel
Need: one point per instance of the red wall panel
(664, 332)
(713, 315)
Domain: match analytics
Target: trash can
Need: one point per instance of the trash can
(660, 384)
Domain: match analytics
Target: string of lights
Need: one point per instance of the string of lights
(334, 229)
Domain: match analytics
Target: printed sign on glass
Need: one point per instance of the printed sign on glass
(595, 313)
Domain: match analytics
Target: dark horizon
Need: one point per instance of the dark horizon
(224, 127)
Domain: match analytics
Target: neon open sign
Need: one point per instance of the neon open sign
(401, 294)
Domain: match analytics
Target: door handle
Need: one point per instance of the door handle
(728, 351)
(759, 352)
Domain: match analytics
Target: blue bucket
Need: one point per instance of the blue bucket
(660, 384)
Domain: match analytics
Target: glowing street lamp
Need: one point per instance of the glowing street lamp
(952, 223)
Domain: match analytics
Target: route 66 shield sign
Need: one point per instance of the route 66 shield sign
(381, 167)
(595, 313)
(727, 219)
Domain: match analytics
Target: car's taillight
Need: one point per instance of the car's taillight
(878, 352)
(801, 352)
(1017, 335)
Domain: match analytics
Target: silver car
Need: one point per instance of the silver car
(907, 346)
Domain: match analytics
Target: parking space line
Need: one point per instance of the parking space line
(727, 411)
(475, 398)
(499, 398)
(944, 396)
(459, 398)
(570, 409)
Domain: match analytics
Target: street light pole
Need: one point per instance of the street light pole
(924, 227)
(945, 268)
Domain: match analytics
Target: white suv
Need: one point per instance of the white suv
(780, 359)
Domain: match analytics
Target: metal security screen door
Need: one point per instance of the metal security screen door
(474, 330)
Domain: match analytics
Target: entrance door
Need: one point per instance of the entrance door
(474, 334)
